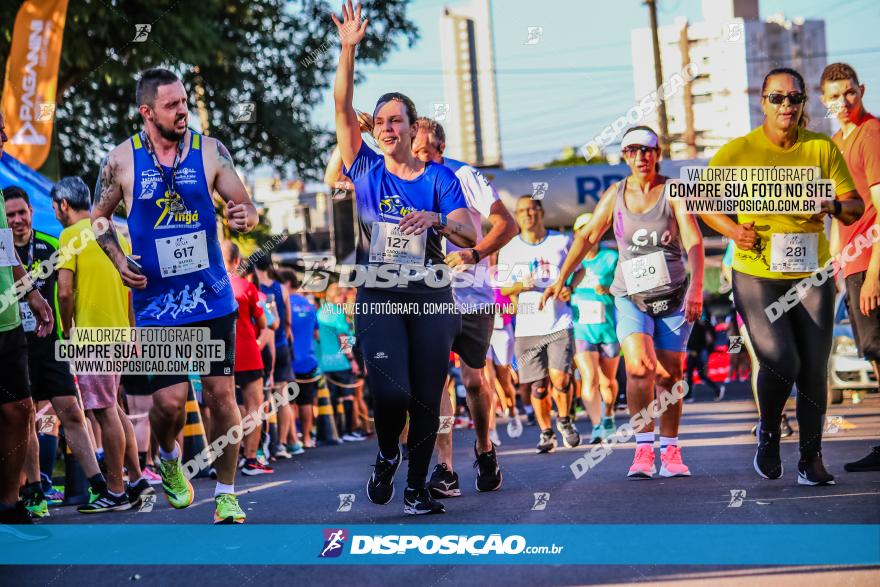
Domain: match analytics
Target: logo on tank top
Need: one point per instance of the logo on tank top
(186, 176)
(644, 237)
(173, 303)
(149, 181)
(175, 214)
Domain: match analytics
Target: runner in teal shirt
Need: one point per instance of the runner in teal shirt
(595, 336)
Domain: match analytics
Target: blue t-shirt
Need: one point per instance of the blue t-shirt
(384, 197)
(303, 322)
(276, 290)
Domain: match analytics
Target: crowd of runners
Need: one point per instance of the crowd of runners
(537, 320)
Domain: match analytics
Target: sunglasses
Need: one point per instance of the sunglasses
(794, 98)
(638, 148)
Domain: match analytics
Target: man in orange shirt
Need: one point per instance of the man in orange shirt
(859, 243)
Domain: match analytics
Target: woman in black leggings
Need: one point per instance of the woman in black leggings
(405, 318)
(780, 258)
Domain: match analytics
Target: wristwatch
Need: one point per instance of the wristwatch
(443, 220)
(838, 208)
(476, 255)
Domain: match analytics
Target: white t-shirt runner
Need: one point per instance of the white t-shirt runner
(542, 262)
(474, 289)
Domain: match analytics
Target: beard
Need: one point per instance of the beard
(169, 133)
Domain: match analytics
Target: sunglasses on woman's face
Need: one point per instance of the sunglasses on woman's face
(794, 98)
(631, 151)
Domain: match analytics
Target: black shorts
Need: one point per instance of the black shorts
(472, 342)
(242, 380)
(866, 329)
(137, 384)
(222, 328)
(283, 370)
(50, 378)
(307, 391)
(15, 385)
(338, 383)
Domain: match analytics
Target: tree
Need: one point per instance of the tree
(571, 157)
(278, 55)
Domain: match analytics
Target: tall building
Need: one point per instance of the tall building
(732, 50)
(470, 112)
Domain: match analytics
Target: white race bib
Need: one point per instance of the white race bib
(590, 312)
(389, 245)
(7, 249)
(645, 273)
(186, 253)
(28, 320)
(794, 252)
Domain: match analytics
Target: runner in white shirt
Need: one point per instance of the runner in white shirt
(544, 343)
(473, 293)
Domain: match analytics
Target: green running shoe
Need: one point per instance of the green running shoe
(178, 489)
(227, 510)
(37, 506)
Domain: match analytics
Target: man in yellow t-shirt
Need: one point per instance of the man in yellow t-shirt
(91, 294)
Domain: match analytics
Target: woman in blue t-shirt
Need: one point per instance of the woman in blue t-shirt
(406, 320)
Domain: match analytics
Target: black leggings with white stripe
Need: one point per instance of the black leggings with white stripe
(407, 357)
(793, 349)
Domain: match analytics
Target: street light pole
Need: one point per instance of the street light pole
(658, 78)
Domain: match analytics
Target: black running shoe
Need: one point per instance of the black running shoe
(489, 476)
(380, 487)
(106, 502)
(443, 482)
(768, 464)
(869, 463)
(18, 515)
(547, 441)
(811, 471)
(419, 501)
(138, 491)
(531, 420)
(785, 428)
(570, 435)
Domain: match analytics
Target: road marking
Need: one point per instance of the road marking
(253, 489)
(809, 497)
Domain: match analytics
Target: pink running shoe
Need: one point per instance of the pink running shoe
(151, 477)
(643, 463)
(671, 463)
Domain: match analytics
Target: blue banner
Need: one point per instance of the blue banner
(747, 544)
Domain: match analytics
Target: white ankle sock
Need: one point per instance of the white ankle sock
(668, 441)
(222, 488)
(170, 456)
(645, 438)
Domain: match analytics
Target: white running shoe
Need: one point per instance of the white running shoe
(514, 427)
(493, 436)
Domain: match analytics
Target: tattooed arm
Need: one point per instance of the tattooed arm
(241, 214)
(108, 194)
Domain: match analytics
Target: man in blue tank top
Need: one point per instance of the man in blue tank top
(166, 175)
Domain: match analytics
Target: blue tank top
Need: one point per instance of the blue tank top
(276, 290)
(176, 238)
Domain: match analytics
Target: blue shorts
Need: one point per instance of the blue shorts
(670, 333)
(609, 350)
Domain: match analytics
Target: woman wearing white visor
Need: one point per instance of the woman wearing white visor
(656, 306)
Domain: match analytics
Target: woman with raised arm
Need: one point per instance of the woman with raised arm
(404, 207)
(655, 305)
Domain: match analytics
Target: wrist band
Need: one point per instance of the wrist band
(838, 208)
(476, 255)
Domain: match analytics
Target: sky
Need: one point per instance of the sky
(578, 78)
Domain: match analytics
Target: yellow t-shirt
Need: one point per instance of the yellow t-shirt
(811, 150)
(100, 298)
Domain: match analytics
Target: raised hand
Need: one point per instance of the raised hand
(352, 29)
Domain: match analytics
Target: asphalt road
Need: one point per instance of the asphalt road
(717, 447)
